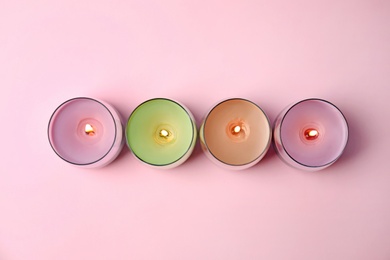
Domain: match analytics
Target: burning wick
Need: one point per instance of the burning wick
(89, 130)
(236, 129)
(164, 133)
(311, 134)
(164, 136)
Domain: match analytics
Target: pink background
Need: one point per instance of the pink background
(124, 52)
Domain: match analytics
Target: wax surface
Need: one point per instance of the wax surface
(67, 131)
(239, 150)
(143, 129)
(332, 128)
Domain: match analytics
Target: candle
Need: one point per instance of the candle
(161, 132)
(86, 132)
(311, 134)
(235, 134)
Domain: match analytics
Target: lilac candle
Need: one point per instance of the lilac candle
(311, 134)
(86, 132)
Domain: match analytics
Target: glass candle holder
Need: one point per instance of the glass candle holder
(86, 132)
(311, 134)
(235, 134)
(161, 133)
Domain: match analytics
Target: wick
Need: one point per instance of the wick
(164, 133)
(89, 130)
(236, 129)
(311, 134)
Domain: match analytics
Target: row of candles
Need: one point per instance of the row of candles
(236, 133)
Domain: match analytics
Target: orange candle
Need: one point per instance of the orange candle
(236, 133)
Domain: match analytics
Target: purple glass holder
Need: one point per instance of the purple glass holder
(86, 132)
(310, 134)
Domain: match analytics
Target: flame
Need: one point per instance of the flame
(311, 134)
(164, 133)
(237, 129)
(89, 130)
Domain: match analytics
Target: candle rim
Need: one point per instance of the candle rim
(193, 134)
(81, 98)
(281, 139)
(269, 128)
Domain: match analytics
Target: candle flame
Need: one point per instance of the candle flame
(311, 134)
(164, 133)
(89, 130)
(237, 129)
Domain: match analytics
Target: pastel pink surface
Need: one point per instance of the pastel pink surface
(125, 52)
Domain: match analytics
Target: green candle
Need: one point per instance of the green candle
(161, 132)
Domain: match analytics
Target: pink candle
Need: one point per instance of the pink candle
(86, 132)
(311, 134)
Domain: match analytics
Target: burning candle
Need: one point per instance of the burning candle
(235, 133)
(311, 134)
(86, 132)
(161, 132)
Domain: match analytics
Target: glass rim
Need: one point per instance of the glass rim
(193, 134)
(50, 123)
(269, 128)
(281, 139)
